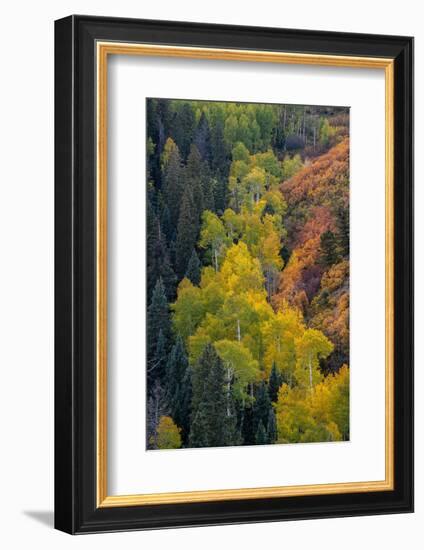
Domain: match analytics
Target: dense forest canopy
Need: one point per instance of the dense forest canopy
(247, 273)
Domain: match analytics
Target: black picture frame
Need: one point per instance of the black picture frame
(76, 510)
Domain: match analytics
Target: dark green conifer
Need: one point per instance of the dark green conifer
(274, 383)
(261, 435)
(328, 249)
(187, 231)
(262, 406)
(157, 363)
(213, 415)
(193, 268)
(272, 426)
(178, 387)
(159, 264)
(193, 178)
(202, 138)
(219, 160)
(343, 230)
(173, 185)
(183, 128)
(158, 320)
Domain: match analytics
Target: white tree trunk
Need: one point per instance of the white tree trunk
(216, 259)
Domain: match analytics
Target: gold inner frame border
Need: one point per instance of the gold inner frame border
(103, 50)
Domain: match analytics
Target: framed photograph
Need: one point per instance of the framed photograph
(234, 274)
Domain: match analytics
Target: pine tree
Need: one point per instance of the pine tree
(157, 364)
(261, 435)
(274, 383)
(328, 247)
(184, 397)
(178, 387)
(261, 407)
(202, 138)
(156, 407)
(219, 160)
(193, 178)
(173, 185)
(193, 268)
(247, 432)
(216, 400)
(199, 427)
(272, 426)
(158, 321)
(208, 187)
(343, 230)
(165, 223)
(187, 231)
(213, 418)
(199, 434)
(220, 195)
(183, 128)
(231, 433)
(159, 264)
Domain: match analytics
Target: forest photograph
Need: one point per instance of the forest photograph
(247, 258)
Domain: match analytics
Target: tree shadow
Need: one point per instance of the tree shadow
(46, 517)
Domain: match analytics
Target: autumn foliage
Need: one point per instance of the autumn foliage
(248, 274)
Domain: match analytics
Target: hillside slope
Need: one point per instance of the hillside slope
(316, 276)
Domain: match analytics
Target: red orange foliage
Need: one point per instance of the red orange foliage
(314, 195)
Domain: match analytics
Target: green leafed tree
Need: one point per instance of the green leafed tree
(213, 236)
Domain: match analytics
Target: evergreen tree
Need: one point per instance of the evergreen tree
(158, 321)
(247, 431)
(231, 433)
(342, 221)
(220, 195)
(178, 390)
(213, 415)
(274, 383)
(187, 231)
(199, 434)
(199, 428)
(193, 178)
(156, 407)
(202, 138)
(159, 264)
(261, 407)
(208, 187)
(157, 364)
(193, 268)
(328, 247)
(272, 426)
(216, 399)
(173, 185)
(219, 160)
(183, 128)
(165, 223)
(175, 371)
(184, 397)
(261, 437)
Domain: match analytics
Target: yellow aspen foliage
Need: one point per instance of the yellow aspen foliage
(310, 348)
(322, 415)
(168, 434)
